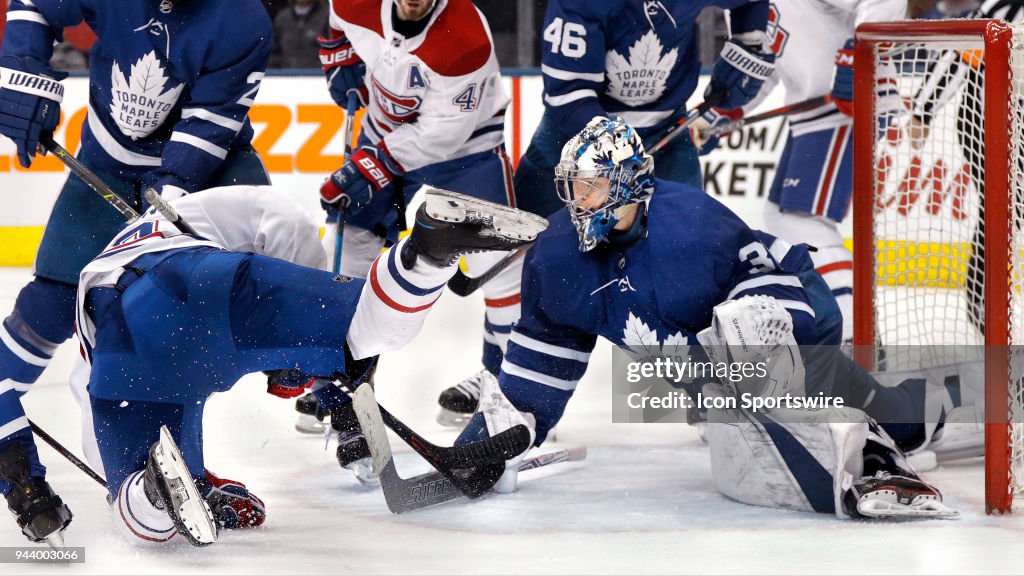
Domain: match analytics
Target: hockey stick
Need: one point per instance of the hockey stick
(793, 108)
(67, 454)
(469, 470)
(346, 130)
(462, 285)
(168, 212)
(679, 129)
(574, 454)
(87, 176)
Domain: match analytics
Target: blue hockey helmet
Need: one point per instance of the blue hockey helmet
(603, 169)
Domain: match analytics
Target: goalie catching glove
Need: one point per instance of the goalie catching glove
(494, 415)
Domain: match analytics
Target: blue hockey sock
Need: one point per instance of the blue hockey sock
(42, 319)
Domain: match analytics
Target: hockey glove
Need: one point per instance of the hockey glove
(344, 69)
(368, 170)
(494, 415)
(738, 74)
(288, 383)
(232, 504)
(701, 131)
(30, 97)
(842, 83)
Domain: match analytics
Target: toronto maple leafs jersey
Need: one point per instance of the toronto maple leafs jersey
(254, 219)
(633, 58)
(434, 97)
(170, 83)
(805, 35)
(660, 289)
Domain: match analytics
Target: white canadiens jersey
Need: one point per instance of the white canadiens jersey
(434, 97)
(805, 35)
(254, 219)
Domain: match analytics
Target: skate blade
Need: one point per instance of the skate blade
(306, 424)
(926, 509)
(363, 471)
(451, 419)
(56, 540)
(507, 222)
(194, 517)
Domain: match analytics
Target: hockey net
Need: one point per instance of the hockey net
(939, 202)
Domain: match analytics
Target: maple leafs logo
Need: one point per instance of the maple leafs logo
(139, 104)
(640, 78)
(643, 340)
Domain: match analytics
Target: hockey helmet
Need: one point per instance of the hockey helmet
(606, 159)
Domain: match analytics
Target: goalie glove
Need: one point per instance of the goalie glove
(30, 97)
(494, 415)
(756, 331)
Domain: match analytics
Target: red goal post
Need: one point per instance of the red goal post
(919, 253)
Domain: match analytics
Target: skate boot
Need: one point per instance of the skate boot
(353, 451)
(459, 402)
(449, 225)
(169, 486)
(311, 415)
(890, 495)
(41, 514)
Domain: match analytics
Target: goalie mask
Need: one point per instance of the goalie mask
(603, 169)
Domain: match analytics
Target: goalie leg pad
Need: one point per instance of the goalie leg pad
(797, 460)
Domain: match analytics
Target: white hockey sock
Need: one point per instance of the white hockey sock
(501, 296)
(835, 264)
(137, 518)
(394, 303)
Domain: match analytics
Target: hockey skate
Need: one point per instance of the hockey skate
(353, 453)
(449, 225)
(459, 402)
(887, 495)
(170, 486)
(41, 514)
(311, 415)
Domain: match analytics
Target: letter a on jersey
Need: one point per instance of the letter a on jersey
(415, 78)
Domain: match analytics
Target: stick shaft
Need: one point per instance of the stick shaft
(347, 127)
(90, 178)
(66, 453)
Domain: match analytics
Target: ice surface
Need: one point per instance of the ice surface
(642, 503)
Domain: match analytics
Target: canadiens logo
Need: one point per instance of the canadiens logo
(777, 35)
(398, 109)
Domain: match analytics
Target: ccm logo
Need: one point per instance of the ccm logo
(374, 171)
(338, 57)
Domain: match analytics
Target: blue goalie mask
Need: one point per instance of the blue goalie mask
(602, 169)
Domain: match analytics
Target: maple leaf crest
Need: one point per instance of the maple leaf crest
(642, 339)
(139, 104)
(640, 78)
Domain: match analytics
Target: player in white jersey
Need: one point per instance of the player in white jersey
(168, 318)
(435, 110)
(813, 185)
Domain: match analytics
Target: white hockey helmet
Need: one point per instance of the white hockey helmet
(606, 149)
